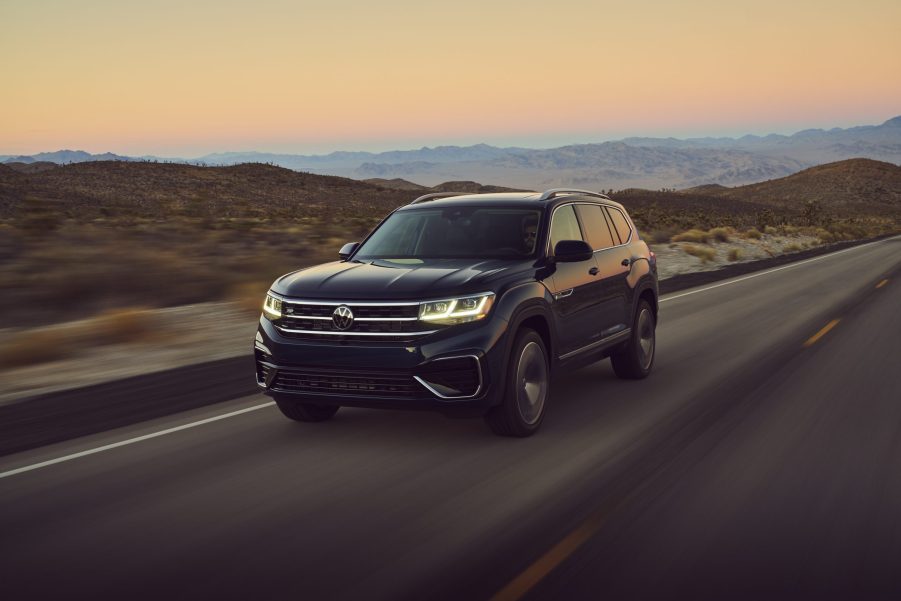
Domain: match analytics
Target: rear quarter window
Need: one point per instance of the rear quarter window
(620, 224)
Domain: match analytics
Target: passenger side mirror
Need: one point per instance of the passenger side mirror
(347, 250)
(572, 251)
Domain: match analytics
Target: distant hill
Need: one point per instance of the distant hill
(67, 156)
(396, 183)
(32, 167)
(649, 163)
(101, 188)
(874, 185)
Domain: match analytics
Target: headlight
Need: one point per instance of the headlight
(457, 310)
(272, 307)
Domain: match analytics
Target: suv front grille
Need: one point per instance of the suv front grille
(372, 322)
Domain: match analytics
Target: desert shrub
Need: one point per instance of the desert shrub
(703, 253)
(753, 234)
(29, 348)
(698, 236)
(824, 236)
(791, 248)
(119, 326)
(248, 296)
(735, 254)
(770, 230)
(720, 234)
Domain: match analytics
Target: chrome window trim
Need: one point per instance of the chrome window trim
(441, 396)
(547, 246)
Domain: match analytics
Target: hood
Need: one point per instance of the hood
(385, 280)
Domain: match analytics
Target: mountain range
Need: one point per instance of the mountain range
(628, 163)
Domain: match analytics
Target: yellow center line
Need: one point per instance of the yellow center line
(813, 339)
(545, 564)
(882, 283)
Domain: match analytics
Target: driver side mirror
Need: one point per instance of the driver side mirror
(572, 251)
(347, 250)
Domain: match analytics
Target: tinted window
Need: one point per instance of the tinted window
(454, 233)
(592, 218)
(564, 226)
(618, 221)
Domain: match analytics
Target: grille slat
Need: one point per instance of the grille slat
(335, 382)
(393, 323)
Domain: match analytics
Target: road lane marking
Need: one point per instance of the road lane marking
(773, 270)
(544, 565)
(882, 283)
(122, 443)
(825, 330)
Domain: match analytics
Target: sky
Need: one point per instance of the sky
(184, 78)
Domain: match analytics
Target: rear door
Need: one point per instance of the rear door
(575, 302)
(606, 287)
(616, 265)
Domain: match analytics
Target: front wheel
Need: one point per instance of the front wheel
(528, 387)
(305, 412)
(636, 358)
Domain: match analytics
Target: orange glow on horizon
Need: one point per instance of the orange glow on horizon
(165, 78)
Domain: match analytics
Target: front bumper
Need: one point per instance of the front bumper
(456, 371)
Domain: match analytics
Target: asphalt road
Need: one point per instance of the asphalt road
(761, 460)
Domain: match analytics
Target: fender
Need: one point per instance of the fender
(517, 304)
(645, 282)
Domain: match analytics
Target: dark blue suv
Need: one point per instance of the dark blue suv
(463, 303)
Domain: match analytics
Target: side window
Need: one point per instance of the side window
(564, 226)
(618, 220)
(596, 229)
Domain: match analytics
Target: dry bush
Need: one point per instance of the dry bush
(753, 234)
(29, 348)
(825, 236)
(720, 234)
(735, 254)
(698, 236)
(120, 326)
(770, 230)
(705, 254)
(791, 248)
(248, 296)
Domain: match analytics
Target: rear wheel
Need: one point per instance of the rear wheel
(636, 358)
(528, 388)
(305, 412)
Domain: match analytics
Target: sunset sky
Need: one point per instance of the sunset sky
(183, 78)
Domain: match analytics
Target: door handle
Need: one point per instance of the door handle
(626, 262)
(593, 271)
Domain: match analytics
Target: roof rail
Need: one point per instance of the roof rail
(554, 192)
(434, 195)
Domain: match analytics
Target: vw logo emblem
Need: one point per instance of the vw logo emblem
(343, 317)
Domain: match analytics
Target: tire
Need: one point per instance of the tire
(305, 412)
(635, 359)
(528, 388)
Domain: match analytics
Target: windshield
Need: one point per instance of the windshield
(454, 233)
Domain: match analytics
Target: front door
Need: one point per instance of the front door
(572, 285)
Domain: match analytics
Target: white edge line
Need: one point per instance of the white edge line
(773, 270)
(122, 443)
(216, 418)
